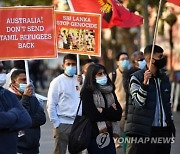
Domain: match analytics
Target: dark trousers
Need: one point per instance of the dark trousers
(159, 142)
(94, 149)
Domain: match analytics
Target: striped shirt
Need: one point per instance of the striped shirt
(139, 95)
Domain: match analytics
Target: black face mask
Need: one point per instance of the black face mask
(160, 63)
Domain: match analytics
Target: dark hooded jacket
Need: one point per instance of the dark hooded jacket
(140, 119)
(29, 143)
(13, 117)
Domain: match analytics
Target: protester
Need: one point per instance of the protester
(36, 70)
(63, 101)
(101, 106)
(17, 64)
(138, 62)
(149, 113)
(85, 66)
(13, 117)
(122, 61)
(28, 141)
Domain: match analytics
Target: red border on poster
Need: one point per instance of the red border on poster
(78, 33)
(27, 33)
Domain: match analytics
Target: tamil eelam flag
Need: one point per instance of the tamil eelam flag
(177, 2)
(113, 13)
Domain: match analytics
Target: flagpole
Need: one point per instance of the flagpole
(27, 71)
(155, 33)
(89, 57)
(70, 5)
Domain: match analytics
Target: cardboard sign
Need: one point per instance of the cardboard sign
(27, 33)
(78, 33)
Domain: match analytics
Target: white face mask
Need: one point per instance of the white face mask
(2, 79)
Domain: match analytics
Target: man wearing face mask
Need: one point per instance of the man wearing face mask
(122, 61)
(149, 112)
(63, 101)
(86, 64)
(138, 62)
(13, 117)
(28, 139)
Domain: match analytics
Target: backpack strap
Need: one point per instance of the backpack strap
(78, 107)
(114, 76)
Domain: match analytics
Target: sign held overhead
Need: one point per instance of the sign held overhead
(27, 33)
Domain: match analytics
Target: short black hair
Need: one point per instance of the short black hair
(16, 73)
(69, 56)
(121, 53)
(19, 64)
(157, 49)
(2, 67)
(86, 61)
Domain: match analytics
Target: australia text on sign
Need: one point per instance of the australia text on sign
(30, 35)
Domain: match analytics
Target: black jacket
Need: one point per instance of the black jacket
(140, 119)
(13, 117)
(89, 109)
(29, 143)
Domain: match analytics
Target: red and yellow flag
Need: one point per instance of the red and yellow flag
(177, 2)
(113, 13)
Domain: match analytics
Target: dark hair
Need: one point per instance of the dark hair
(86, 61)
(135, 54)
(69, 56)
(16, 73)
(19, 64)
(90, 81)
(2, 66)
(157, 49)
(121, 53)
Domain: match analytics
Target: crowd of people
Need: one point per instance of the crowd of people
(132, 102)
(82, 40)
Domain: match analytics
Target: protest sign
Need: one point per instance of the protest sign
(78, 33)
(27, 33)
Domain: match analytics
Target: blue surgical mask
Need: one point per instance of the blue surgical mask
(142, 64)
(70, 70)
(102, 80)
(22, 87)
(124, 64)
(2, 79)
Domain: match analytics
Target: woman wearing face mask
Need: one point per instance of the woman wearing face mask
(101, 106)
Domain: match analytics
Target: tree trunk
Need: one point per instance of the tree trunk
(146, 20)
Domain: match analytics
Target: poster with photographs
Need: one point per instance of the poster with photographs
(78, 33)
